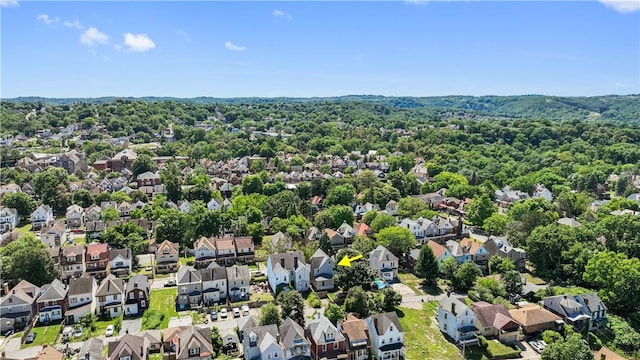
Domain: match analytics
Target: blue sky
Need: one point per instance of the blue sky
(302, 49)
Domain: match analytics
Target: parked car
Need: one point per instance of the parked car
(223, 313)
(536, 346)
(67, 332)
(149, 268)
(245, 309)
(170, 282)
(78, 332)
(110, 330)
(9, 333)
(236, 312)
(29, 339)
(214, 315)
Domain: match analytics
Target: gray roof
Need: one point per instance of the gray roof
(125, 253)
(448, 301)
(381, 253)
(110, 286)
(81, 285)
(93, 347)
(383, 321)
(213, 272)
(320, 327)
(289, 260)
(238, 272)
(129, 345)
(201, 335)
(247, 322)
(187, 275)
(290, 331)
(592, 301)
(262, 331)
(318, 258)
(52, 292)
(141, 281)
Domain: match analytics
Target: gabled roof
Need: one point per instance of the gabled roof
(452, 304)
(24, 292)
(493, 315)
(238, 272)
(225, 243)
(318, 259)
(93, 347)
(187, 335)
(188, 275)
(213, 272)
(110, 286)
(363, 229)
(206, 242)
(383, 321)
(124, 253)
(292, 334)
(137, 282)
(247, 322)
(320, 329)
(50, 353)
(54, 291)
(81, 285)
(437, 249)
(265, 335)
(354, 329)
(470, 245)
(532, 314)
(173, 247)
(129, 345)
(381, 253)
(289, 260)
(97, 249)
(243, 242)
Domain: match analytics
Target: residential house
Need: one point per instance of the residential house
(213, 205)
(71, 261)
(50, 353)
(96, 260)
(327, 342)
(42, 216)
(457, 320)
(238, 282)
(184, 206)
(460, 253)
(128, 347)
(52, 302)
(502, 247)
(337, 240)
(53, 235)
(75, 216)
(534, 318)
(495, 321)
(109, 297)
(414, 227)
(597, 309)
(288, 269)
(187, 343)
(148, 179)
(577, 310)
(246, 322)
(8, 219)
(384, 262)
(136, 295)
(120, 261)
(230, 343)
(387, 336)
(293, 341)
(214, 283)
(245, 249)
(73, 161)
(124, 209)
(167, 255)
(507, 196)
(356, 334)
(607, 354)
(225, 250)
(122, 160)
(363, 229)
(92, 350)
(348, 233)
(82, 296)
(18, 306)
(479, 254)
(189, 282)
(392, 207)
(93, 213)
(261, 343)
(205, 251)
(321, 271)
(280, 242)
(541, 191)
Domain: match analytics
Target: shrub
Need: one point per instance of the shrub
(314, 301)
(152, 319)
(550, 336)
(483, 342)
(594, 342)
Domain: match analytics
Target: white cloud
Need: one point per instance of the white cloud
(75, 24)
(282, 14)
(622, 6)
(47, 20)
(93, 36)
(8, 3)
(231, 46)
(415, 2)
(139, 42)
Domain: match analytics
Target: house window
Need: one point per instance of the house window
(194, 351)
(335, 346)
(143, 303)
(275, 354)
(131, 295)
(324, 347)
(125, 358)
(74, 300)
(95, 257)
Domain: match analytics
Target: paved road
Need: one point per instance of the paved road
(132, 325)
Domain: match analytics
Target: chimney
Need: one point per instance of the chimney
(295, 262)
(282, 262)
(453, 309)
(44, 346)
(141, 351)
(602, 356)
(5, 287)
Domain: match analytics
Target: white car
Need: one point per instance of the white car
(236, 312)
(245, 309)
(223, 313)
(110, 330)
(78, 332)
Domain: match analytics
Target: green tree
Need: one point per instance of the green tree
(27, 259)
(46, 185)
(573, 348)
(369, 216)
(512, 281)
(340, 195)
(550, 336)
(120, 196)
(617, 277)
(216, 340)
(292, 305)
(88, 321)
(82, 198)
(269, 314)
(334, 313)
(283, 205)
(410, 206)
(170, 177)
(142, 164)
(358, 274)
(546, 246)
(382, 221)
(252, 184)
(500, 265)
(495, 224)
(466, 276)
(358, 301)
(22, 202)
(110, 213)
(172, 226)
(397, 239)
(448, 268)
(389, 300)
(480, 209)
(427, 265)
(363, 244)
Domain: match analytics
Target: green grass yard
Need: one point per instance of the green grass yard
(534, 280)
(24, 229)
(163, 300)
(45, 335)
(412, 281)
(422, 337)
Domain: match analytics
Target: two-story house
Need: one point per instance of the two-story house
(189, 282)
(238, 282)
(109, 297)
(261, 343)
(96, 260)
(54, 234)
(495, 321)
(288, 269)
(293, 341)
(479, 254)
(52, 302)
(71, 261)
(387, 336)
(414, 227)
(75, 216)
(356, 334)
(225, 250)
(8, 219)
(321, 268)
(574, 310)
(384, 262)
(129, 347)
(327, 342)
(214, 283)
(245, 249)
(120, 262)
(148, 179)
(82, 294)
(502, 247)
(18, 306)
(441, 252)
(205, 251)
(93, 213)
(167, 255)
(136, 295)
(42, 216)
(348, 233)
(213, 205)
(596, 308)
(457, 320)
(187, 343)
(460, 253)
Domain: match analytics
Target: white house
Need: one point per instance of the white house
(8, 219)
(184, 206)
(392, 207)
(214, 283)
(321, 267)
(120, 262)
(541, 191)
(41, 216)
(384, 262)
(261, 343)
(109, 297)
(213, 205)
(283, 269)
(75, 216)
(387, 336)
(238, 282)
(457, 320)
(412, 226)
(82, 294)
(205, 251)
(18, 306)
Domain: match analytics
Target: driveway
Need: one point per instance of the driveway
(527, 352)
(184, 320)
(13, 344)
(131, 325)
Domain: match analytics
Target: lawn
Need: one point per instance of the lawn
(412, 281)
(534, 280)
(190, 260)
(163, 300)
(101, 326)
(262, 297)
(422, 337)
(24, 229)
(496, 349)
(46, 335)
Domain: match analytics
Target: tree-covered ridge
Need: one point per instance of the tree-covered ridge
(618, 108)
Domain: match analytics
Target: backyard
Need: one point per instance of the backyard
(163, 300)
(45, 335)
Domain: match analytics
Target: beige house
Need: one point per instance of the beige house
(167, 257)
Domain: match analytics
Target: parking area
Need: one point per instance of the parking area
(527, 351)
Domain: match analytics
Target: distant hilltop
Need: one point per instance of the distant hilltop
(619, 108)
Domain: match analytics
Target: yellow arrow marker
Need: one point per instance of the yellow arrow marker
(346, 260)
